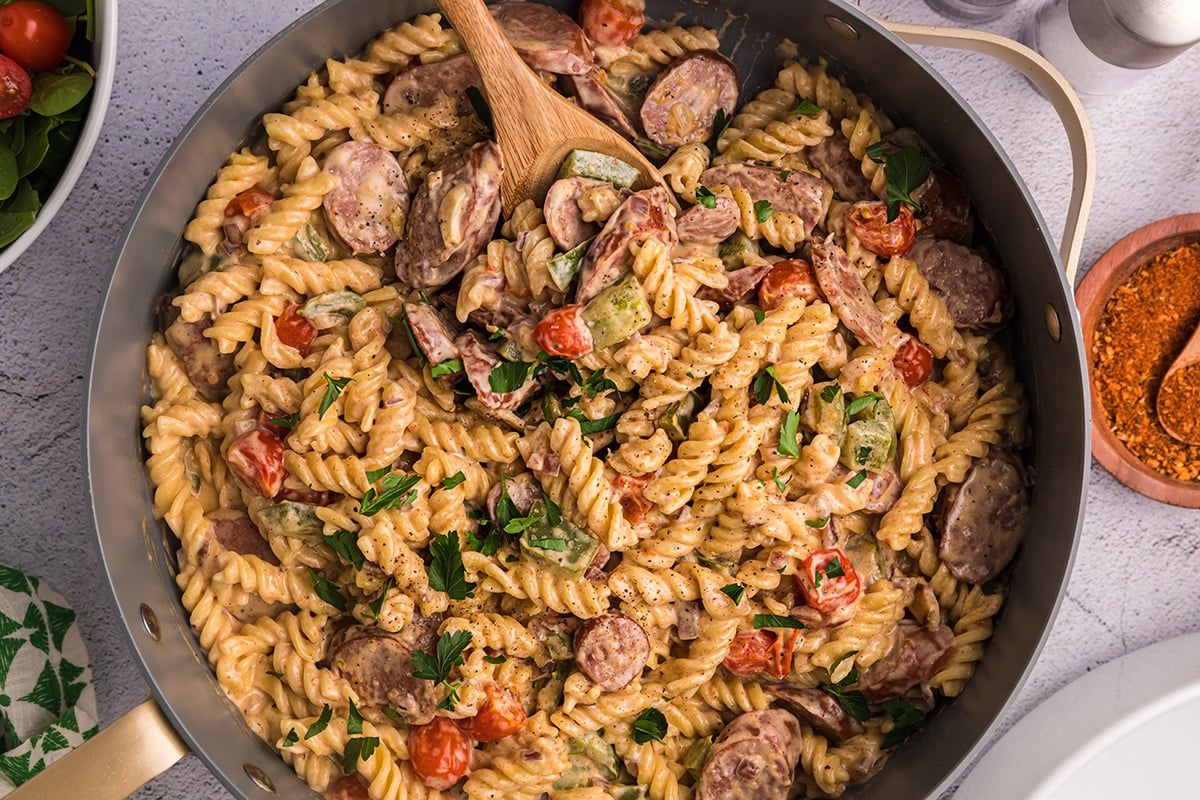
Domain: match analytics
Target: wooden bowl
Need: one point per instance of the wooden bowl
(1101, 280)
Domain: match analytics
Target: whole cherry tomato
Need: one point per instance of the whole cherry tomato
(612, 22)
(871, 226)
(257, 458)
(793, 277)
(749, 653)
(440, 753)
(501, 715)
(294, 330)
(564, 332)
(827, 580)
(914, 362)
(34, 34)
(15, 88)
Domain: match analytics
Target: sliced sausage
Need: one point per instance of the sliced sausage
(820, 710)
(793, 191)
(945, 207)
(755, 756)
(591, 91)
(611, 650)
(544, 37)
(973, 286)
(885, 490)
(421, 84)
(612, 23)
(838, 165)
(346, 787)
(237, 532)
(369, 203)
(478, 362)
(682, 104)
(207, 368)
(843, 287)
(431, 330)
(523, 489)
(563, 217)
(916, 656)
(379, 667)
(983, 518)
(709, 225)
(461, 199)
(644, 215)
(741, 283)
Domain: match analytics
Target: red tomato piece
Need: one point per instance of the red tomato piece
(749, 653)
(440, 752)
(612, 22)
(257, 458)
(827, 580)
(564, 332)
(793, 277)
(294, 330)
(15, 88)
(914, 362)
(634, 504)
(779, 659)
(34, 34)
(252, 203)
(883, 238)
(501, 715)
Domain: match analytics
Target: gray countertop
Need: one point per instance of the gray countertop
(172, 55)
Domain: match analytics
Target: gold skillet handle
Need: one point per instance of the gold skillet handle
(114, 763)
(1055, 89)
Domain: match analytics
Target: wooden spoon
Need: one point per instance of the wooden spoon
(1178, 401)
(536, 128)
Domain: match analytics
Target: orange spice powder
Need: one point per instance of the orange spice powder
(1144, 325)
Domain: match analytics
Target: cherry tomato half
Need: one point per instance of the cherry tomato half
(612, 22)
(257, 458)
(749, 653)
(34, 34)
(294, 330)
(827, 580)
(883, 238)
(501, 715)
(440, 752)
(914, 362)
(252, 203)
(563, 332)
(15, 88)
(634, 504)
(779, 659)
(792, 277)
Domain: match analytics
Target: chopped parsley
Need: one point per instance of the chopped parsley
(830, 392)
(783, 174)
(650, 726)
(508, 376)
(318, 727)
(548, 543)
(763, 210)
(788, 446)
(397, 492)
(907, 169)
(764, 383)
(705, 197)
(857, 478)
(852, 701)
(448, 702)
(817, 523)
(597, 383)
(327, 591)
(291, 738)
(359, 747)
(759, 316)
(333, 388)
(451, 366)
(859, 404)
(907, 719)
(290, 421)
(450, 481)
(375, 474)
(447, 656)
(780, 484)
(721, 122)
(446, 573)
(345, 544)
(495, 659)
(497, 335)
(376, 605)
(735, 591)
(776, 621)
(807, 108)
(354, 720)
(590, 426)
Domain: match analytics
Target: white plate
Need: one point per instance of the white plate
(1126, 729)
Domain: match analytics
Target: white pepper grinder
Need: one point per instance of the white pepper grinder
(1104, 46)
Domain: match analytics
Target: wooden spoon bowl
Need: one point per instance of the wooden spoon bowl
(536, 128)
(1109, 272)
(1180, 385)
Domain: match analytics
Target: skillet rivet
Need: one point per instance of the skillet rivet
(1053, 324)
(841, 28)
(261, 779)
(150, 621)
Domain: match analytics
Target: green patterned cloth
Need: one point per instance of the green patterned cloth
(47, 702)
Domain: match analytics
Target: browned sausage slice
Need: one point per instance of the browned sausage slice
(820, 710)
(545, 38)
(793, 191)
(916, 657)
(709, 225)
(847, 294)
(682, 103)
(838, 165)
(983, 519)
(563, 217)
(973, 287)
(644, 215)
(237, 532)
(368, 205)
(379, 667)
(741, 283)
(420, 85)
(611, 649)
(945, 207)
(433, 334)
(207, 368)
(754, 757)
(590, 90)
(461, 196)
(478, 362)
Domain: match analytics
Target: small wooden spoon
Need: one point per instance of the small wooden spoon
(536, 128)
(1178, 401)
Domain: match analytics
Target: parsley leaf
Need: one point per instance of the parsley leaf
(833, 568)
(548, 543)
(397, 492)
(807, 108)
(518, 524)
(862, 403)
(506, 509)
(291, 738)
(508, 376)
(354, 720)
(448, 702)
(705, 197)
(597, 383)
(553, 512)
(650, 726)
(735, 591)
(830, 392)
(560, 364)
(451, 366)
(759, 316)
(817, 523)
(375, 474)
(446, 573)
(495, 659)
(448, 655)
(327, 591)
(780, 484)
(721, 122)
(907, 169)
(321, 724)
(878, 151)
(497, 335)
(333, 388)
(450, 481)
(763, 210)
(788, 446)
(767, 380)
(590, 426)
(907, 718)
(274, 674)
(359, 747)
(776, 621)
(783, 174)
(345, 544)
(289, 422)
(857, 478)
(376, 605)
(852, 701)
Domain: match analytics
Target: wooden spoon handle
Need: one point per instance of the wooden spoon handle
(491, 51)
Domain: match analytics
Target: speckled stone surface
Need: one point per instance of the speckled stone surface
(1134, 580)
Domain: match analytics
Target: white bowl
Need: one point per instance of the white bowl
(105, 62)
